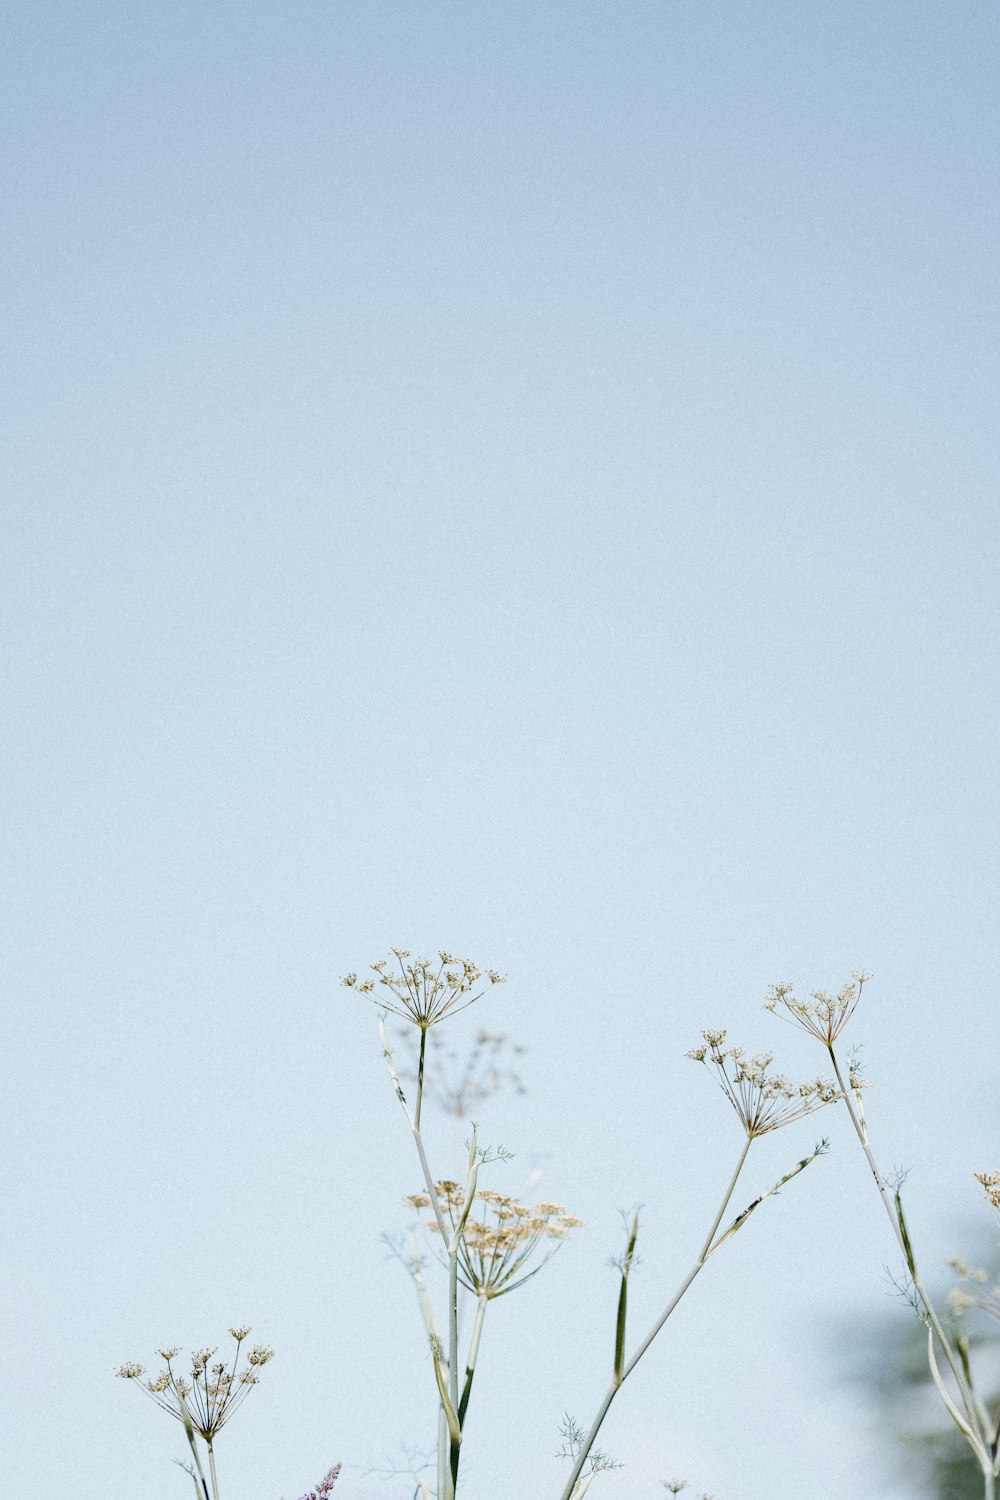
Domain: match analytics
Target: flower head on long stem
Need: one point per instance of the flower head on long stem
(823, 1015)
(763, 1101)
(214, 1391)
(423, 991)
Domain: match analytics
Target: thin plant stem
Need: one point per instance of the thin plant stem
(442, 1463)
(453, 1244)
(189, 1433)
(420, 1076)
(473, 1355)
(617, 1383)
(445, 1483)
(211, 1470)
(967, 1398)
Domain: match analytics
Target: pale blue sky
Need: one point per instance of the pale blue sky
(521, 478)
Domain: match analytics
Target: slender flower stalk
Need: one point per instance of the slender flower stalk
(763, 1102)
(206, 1402)
(824, 1017)
(425, 993)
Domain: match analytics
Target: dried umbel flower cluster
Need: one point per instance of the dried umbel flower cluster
(214, 1391)
(824, 1016)
(494, 1249)
(763, 1101)
(991, 1187)
(325, 1485)
(421, 990)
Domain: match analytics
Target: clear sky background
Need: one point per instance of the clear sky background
(515, 477)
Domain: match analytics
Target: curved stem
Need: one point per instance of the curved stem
(862, 1134)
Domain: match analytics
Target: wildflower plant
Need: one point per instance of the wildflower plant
(824, 1016)
(204, 1401)
(489, 1244)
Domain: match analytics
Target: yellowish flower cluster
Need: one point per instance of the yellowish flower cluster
(495, 1248)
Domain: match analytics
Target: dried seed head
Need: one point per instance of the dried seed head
(422, 991)
(214, 1392)
(763, 1100)
(823, 1016)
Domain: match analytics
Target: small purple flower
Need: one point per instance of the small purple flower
(324, 1486)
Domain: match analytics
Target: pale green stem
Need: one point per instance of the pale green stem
(420, 1076)
(192, 1443)
(967, 1398)
(445, 1487)
(473, 1355)
(211, 1470)
(443, 1475)
(453, 1244)
(616, 1385)
(453, 1326)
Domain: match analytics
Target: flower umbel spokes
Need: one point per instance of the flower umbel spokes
(823, 1015)
(991, 1187)
(495, 1248)
(423, 991)
(205, 1402)
(763, 1101)
(214, 1391)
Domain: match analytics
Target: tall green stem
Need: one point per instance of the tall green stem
(967, 1397)
(473, 1355)
(617, 1383)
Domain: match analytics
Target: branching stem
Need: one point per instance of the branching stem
(617, 1383)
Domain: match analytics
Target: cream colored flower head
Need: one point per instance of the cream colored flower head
(423, 990)
(763, 1100)
(214, 1392)
(823, 1015)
